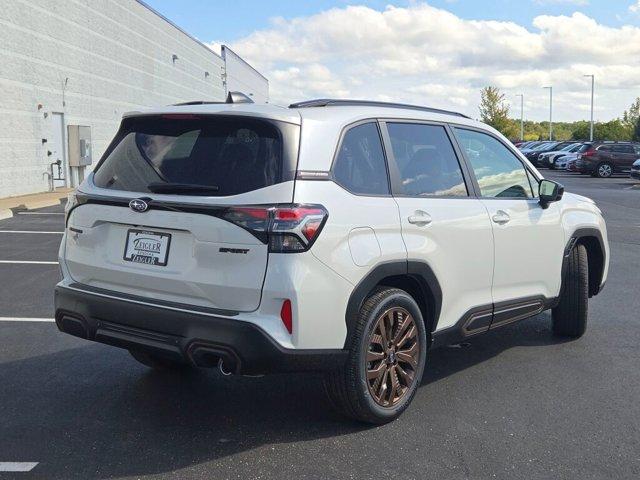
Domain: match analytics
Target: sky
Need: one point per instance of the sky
(438, 53)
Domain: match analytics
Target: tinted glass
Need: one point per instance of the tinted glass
(426, 161)
(605, 148)
(623, 149)
(498, 171)
(584, 147)
(197, 155)
(360, 166)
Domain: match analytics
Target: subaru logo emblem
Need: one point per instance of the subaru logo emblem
(138, 205)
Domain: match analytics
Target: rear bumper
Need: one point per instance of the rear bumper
(196, 338)
(584, 167)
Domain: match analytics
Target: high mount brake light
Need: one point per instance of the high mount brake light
(180, 116)
(286, 228)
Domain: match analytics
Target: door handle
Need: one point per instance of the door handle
(501, 217)
(419, 218)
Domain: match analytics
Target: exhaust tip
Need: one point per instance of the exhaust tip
(73, 326)
(214, 356)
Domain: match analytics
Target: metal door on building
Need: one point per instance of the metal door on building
(57, 150)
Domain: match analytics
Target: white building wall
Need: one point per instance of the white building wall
(91, 60)
(242, 77)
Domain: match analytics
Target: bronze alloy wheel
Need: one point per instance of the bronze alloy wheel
(392, 357)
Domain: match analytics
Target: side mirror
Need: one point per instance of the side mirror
(550, 191)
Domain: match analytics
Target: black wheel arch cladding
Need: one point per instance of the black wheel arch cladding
(417, 272)
(592, 239)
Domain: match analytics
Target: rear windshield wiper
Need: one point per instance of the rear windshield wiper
(182, 188)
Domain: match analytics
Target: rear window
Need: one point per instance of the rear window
(584, 147)
(198, 155)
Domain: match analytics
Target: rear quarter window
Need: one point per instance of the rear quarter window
(360, 165)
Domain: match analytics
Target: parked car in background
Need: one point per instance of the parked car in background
(571, 165)
(604, 159)
(635, 170)
(547, 159)
(562, 162)
(523, 145)
(534, 155)
(532, 146)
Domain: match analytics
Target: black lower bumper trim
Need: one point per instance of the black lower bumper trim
(184, 336)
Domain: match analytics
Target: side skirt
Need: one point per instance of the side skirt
(481, 319)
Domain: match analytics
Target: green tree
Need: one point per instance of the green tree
(612, 130)
(630, 117)
(495, 112)
(581, 131)
(636, 131)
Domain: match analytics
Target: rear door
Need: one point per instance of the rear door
(169, 212)
(443, 225)
(624, 156)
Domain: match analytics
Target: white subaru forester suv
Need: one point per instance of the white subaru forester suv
(335, 236)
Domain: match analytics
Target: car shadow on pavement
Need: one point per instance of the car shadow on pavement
(533, 332)
(93, 412)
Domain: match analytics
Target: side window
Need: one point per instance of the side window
(498, 171)
(426, 161)
(605, 148)
(623, 149)
(360, 166)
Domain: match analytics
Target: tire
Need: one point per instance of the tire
(159, 363)
(603, 170)
(570, 315)
(349, 388)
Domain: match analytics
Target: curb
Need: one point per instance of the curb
(33, 204)
(6, 213)
(10, 205)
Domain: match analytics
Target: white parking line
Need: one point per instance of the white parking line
(26, 319)
(17, 466)
(40, 213)
(29, 231)
(28, 262)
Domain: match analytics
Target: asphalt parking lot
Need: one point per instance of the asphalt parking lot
(515, 403)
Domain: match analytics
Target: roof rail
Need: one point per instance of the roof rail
(327, 102)
(232, 97)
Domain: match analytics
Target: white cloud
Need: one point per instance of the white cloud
(430, 56)
(635, 8)
(579, 3)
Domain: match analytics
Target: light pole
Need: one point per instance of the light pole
(593, 81)
(550, 111)
(521, 95)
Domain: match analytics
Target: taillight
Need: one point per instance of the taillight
(589, 153)
(286, 228)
